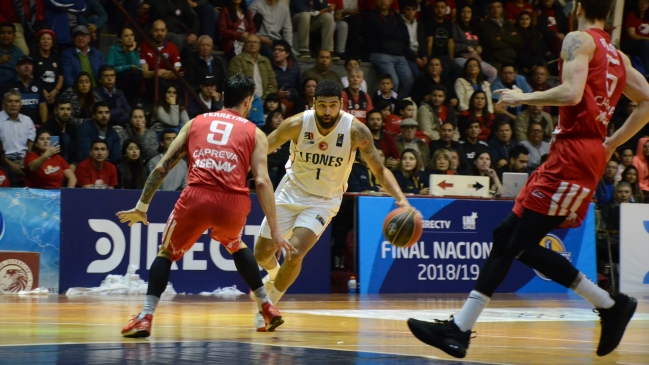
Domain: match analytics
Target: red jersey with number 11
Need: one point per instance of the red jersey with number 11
(604, 86)
(220, 147)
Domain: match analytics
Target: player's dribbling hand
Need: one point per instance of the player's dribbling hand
(510, 97)
(281, 244)
(132, 216)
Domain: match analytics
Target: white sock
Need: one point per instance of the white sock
(272, 273)
(473, 307)
(150, 303)
(275, 295)
(261, 297)
(597, 296)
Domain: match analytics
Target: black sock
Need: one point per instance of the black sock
(495, 269)
(159, 276)
(247, 267)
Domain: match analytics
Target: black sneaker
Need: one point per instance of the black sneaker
(445, 335)
(614, 321)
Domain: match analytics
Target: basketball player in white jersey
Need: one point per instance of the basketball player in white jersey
(324, 142)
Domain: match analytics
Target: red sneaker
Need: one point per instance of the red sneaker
(272, 316)
(138, 328)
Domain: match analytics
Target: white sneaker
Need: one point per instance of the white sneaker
(259, 323)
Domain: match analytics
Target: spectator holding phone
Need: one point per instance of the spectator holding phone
(44, 165)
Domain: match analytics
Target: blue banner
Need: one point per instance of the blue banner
(95, 244)
(456, 240)
(30, 222)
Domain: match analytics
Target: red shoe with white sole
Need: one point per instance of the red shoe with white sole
(272, 317)
(139, 328)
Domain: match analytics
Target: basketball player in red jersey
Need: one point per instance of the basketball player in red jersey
(594, 75)
(221, 147)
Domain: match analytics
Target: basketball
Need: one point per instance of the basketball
(402, 227)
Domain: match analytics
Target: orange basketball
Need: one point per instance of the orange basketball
(402, 227)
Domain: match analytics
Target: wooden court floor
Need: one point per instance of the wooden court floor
(319, 329)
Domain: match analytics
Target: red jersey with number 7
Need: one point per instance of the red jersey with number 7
(604, 86)
(220, 147)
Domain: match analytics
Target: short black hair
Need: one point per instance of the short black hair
(8, 25)
(328, 88)
(502, 122)
(507, 64)
(375, 111)
(283, 43)
(408, 4)
(98, 105)
(403, 104)
(61, 100)
(452, 125)
(382, 104)
(99, 140)
(518, 150)
(440, 1)
(385, 77)
(350, 59)
(237, 88)
(103, 68)
(438, 87)
(534, 122)
(596, 9)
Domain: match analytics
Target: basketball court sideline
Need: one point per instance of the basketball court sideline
(319, 329)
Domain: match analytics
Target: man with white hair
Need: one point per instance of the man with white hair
(202, 64)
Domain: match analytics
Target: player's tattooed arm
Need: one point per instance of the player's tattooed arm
(571, 44)
(363, 141)
(174, 154)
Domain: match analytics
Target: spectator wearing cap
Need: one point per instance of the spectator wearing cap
(94, 17)
(120, 110)
(48, 67)
(287, 71)
(58, 14)
(201, 64)
(9, 53)
(34, 103)
(407, 140)
(252, 64)
(210, 98)
(96, 172)
(99, 128)
(17, 131)
(24, 17)
(176, 179)
(179, 17)
(81, 57)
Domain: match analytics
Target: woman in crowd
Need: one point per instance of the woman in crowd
(125, 57)
(409, 175)
(305, 101)
(532, 49)
(272, 103)
(45, 168)
(82, 98)
(235, 25)
(169, 112)
(478, 110)
(350, 64)
(47, 65)
(630, 175)
(441, 163)
(276, 159)
(472, 80)
(130, 169)
(136, 130)
(482, 167)
(641, 162)
(467, 44)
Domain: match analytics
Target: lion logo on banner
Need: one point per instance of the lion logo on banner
(15, 276)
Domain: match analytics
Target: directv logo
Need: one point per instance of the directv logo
(468, 222)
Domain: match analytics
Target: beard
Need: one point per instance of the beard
(326, 125)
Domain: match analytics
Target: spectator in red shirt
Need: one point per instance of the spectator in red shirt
(515, 7)
(478, 110)
(636, 26)
(383, 140)
(355, 101)
(149, 59)
(45, 167)
(22, 19)
(96, 172)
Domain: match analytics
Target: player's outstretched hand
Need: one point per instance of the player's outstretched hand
(510, 97)
(281, 244)
(132, 216)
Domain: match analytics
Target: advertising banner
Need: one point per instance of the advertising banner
(29, 222)
(96, 244)
(456, 241)
(634, 248)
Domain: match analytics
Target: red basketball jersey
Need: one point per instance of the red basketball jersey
(220, 148)
(604, 86)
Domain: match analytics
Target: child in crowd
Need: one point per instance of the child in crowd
(386, 93)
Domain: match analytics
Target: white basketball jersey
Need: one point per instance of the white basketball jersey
(320, 165)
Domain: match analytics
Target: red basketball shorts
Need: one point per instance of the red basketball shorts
(200, 209)
(566, 182)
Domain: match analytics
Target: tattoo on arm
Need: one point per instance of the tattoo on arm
(365, 143)
(570, 45)
(157, 176)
